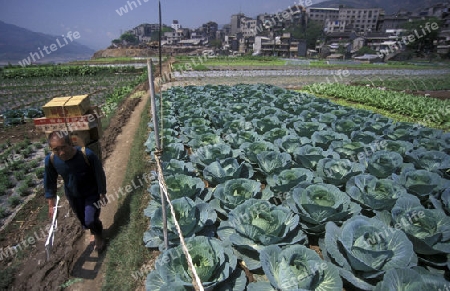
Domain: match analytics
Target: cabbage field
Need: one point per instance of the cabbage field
(257, 174)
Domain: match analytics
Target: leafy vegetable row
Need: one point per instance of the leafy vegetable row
(60, 71)
(428, 110)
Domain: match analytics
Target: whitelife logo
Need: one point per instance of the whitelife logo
(123, 10)
(408, 39)
(53, 47)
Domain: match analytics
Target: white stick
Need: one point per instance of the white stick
(51, 232)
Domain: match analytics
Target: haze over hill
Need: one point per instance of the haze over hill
(389, 6)
(20, 44)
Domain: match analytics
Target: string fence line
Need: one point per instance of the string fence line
(162, 184)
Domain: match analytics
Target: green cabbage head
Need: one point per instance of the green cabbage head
(215, 264)
(296, 267)
(365, 248)
(316, 204)
(255, 224)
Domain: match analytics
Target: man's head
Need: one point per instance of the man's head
(61, 145)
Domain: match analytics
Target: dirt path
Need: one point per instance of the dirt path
(92, 267)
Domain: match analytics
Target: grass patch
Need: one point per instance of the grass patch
(126, 253)
(71, 282)
(138, 94)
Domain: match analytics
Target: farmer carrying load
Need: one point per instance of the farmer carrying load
(84, 182)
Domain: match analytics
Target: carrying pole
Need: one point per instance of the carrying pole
(158, 144)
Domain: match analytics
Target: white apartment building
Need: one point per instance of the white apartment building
(248, 27)
(358, 19)
(175, 25)
(322, 14)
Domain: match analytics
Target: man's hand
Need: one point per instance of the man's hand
(51, 207)
(103, 200)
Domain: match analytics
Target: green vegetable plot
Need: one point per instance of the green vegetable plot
(426, 110)
(257, 173)
(22, 88)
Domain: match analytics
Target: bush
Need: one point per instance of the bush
(14, 200)
(7, 152)
(27, 151)
(34, 164)
(15, 165)
(365, 50)
(4, 180)
(23, 189)
(19, 175)
(21, 145)
(28, 181)
(26, 167)
(3, 212)
(40, 173)
(3, 189)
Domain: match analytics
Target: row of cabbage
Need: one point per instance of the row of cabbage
(256, 173)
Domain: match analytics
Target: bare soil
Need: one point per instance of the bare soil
(18, 133)
(443, 94)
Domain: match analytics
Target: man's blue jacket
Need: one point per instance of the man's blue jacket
(80, 179)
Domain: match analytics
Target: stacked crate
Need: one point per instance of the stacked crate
(76, 116)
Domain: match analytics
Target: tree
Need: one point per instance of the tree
(215, 43)
(365, 50)
(129, 38)
(312, 32)
(420, 34)
(155, 34)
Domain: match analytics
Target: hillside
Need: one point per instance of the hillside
(388, 6)
(17, 43)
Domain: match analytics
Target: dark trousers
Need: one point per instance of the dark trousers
(87, 214)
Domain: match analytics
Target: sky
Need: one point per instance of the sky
(100, 21)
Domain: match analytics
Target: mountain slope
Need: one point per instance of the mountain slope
(17, 43)
(389, 6)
